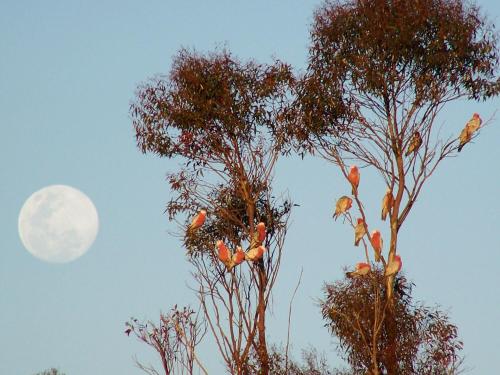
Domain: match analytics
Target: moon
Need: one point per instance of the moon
(58, 224)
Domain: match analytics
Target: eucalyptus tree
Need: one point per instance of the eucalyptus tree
(422, 340)
(379, 73)
(222, 120)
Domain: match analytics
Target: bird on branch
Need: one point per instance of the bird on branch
(238, 256)
(359, 231)
(343, 205)
(353, 178)
(377, 243)
(259, 235)
(394, 266)
(197, 222)
(470, 128)
(361, 269)
(387, 203)
(415, 143)
(229, 259)
(255, 253)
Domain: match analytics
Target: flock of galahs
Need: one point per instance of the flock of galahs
(465, 137)
(344, 203)
(256, 249)
(466, 134)
(363, 269)
(227, 257)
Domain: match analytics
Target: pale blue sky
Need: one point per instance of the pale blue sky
(68, 70)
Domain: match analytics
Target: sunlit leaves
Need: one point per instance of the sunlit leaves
(208, 104)
(406, 50)
(426, 342)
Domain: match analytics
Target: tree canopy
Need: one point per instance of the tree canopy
(425, 341)
(379, 73)
(222, 118)
(395, 56)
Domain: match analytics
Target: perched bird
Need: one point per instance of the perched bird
(343, 204)
(359, 231)
(415, 143)
(377, 244)
(387, 203)
(197, 221)
(353, 178)
(472, 126)
(394, 266)
(238, 256)
(255, 253)
(475, 122)
(361, 269)
(259, 235)
(261, 231)
(224, 255)
(465, 137)
(229, 259)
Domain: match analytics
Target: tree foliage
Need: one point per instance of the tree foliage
(313, 363)
(222, 119)
(174, 338)
(379, 73)
(401, 59)
(209, 105)
(425, 341)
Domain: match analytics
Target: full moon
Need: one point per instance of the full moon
(58, 224)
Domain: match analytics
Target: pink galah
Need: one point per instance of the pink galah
(198, 221)
(255, 253)
(353, 178)
(394, 266)
(361, 269)
(472, 126)
(259, 235)
(377, 243)
(223, 252)
(415, 143)
(238, 256)
(343, 205)
(387, 203)
(475, 122)
(227, 257)
(261, 230)
(359, 231)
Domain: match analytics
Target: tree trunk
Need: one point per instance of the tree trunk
(261, 324)
(391, 360)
